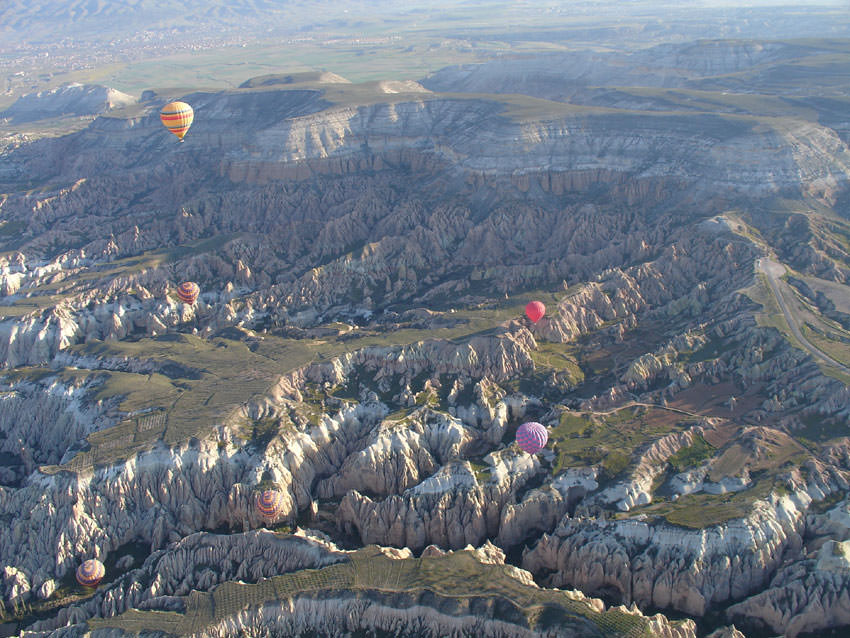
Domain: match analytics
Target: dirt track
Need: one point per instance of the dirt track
(773, 271)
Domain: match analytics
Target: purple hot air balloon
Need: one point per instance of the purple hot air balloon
(270, 504)
(90, 573)
(188, 292)
(532, 437)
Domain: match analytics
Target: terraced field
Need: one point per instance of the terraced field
(459, 575)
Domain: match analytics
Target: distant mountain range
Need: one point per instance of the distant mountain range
(93, 20)
(97, 19)
(124, 15)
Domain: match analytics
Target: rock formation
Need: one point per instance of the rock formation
(805, 597)
(71, 99)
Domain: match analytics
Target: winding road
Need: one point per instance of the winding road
(773, 270)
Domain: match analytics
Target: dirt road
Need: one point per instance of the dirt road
(773, 271)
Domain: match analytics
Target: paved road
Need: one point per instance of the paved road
(773, 271)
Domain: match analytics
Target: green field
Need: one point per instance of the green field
(558, 356)
(777, 455)
(698, 511)
(378, 58)
(691, 456)
(610, 439)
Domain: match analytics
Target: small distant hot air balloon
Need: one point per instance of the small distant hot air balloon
(177, 118)
(531, 437)
(90, 573)
(188, 292)
(270, 503)
(535, 311)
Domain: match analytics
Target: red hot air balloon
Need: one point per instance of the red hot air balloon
(90, 573)
(270, 504)
(531, 437)
(188, 292)
(535, 311)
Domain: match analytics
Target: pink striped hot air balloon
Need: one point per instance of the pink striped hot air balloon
(532, 437)
(270, 504)
(188, 292)
(90, 573)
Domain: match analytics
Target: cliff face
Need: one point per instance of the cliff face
(806, 597)
(481, 138)
(636, 561)
(468, 133)
(71, 99)
(157, 497)
(42, 422)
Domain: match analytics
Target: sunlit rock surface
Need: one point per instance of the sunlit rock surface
(71, 99)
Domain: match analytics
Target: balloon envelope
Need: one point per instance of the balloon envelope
(188, 292)
(535, 311)
(90, 573)
(270, 503)
(177, 118)
(532, 437)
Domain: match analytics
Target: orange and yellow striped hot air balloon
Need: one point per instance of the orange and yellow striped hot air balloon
(177, 117)
(188, 292)
(270, 504)
(90, 573)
